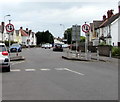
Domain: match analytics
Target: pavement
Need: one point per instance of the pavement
(71, 55)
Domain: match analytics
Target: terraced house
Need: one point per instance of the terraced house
(107, 30)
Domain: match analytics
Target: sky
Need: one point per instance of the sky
(54, 15)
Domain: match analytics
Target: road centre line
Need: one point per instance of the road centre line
(45, 69)
(29, 70)
(59, 68)
(15, 70)
(74, 71)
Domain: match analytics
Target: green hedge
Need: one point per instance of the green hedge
(7, 42)
(116, 51)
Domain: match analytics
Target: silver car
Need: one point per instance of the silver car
(4, 58)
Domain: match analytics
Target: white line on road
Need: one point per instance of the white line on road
(30, 70)
(13, 63)
(45, 69)
(59, 68)
(74, 71)
(15, 70)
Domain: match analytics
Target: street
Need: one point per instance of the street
(44, 75)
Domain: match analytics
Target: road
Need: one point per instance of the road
(44, 75)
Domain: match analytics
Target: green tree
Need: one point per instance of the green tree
(44, 37)
(68, 35)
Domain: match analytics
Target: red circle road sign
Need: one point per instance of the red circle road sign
(86, 28)
(9, 28)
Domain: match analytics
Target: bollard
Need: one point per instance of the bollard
(67, 52)
(97, 55)
(110, 54)
(80, 54)
(89, 55)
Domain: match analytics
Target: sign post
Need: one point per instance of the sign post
(9, 28)
(86, 29)
(76, 35)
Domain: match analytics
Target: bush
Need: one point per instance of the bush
(7, 42)
(116, 51)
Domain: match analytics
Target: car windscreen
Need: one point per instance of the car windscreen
(2, 48)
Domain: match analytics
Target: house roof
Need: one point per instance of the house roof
(23, 33)
(110, 20)
(97, 23)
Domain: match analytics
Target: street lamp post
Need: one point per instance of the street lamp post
(4, 26)
(64, 31)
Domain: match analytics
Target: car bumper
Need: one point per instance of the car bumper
(4, 64)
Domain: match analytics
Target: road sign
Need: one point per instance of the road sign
(9, 28)
(76, 32)
(86, 28)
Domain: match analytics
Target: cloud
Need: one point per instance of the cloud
(43, 15)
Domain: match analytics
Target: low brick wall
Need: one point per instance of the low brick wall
(82, 48)
(104, 50)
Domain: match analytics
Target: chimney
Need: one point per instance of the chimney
(30, 31)
(21, 27)
(3, 25)
(104, 17)
(119, 7)
(27, 29)
(109, 13)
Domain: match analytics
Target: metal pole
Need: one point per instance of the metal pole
(9, 35)
(76, 42)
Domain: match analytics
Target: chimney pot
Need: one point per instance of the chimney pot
(104, 17)
(21, 27)
(109, 13)
(26, 29)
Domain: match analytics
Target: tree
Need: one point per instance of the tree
(44, 37)
(68, 35)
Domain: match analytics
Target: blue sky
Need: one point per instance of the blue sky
(41, 15)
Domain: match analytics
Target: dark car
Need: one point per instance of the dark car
(58, 47)
(15, 48)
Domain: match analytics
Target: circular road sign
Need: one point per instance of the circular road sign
(86, 28)
(9, 28)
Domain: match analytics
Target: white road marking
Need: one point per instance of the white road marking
(30, 70)
(74, 71)
(45, 69)
(15, 70)
(60, 69)
(13, 63)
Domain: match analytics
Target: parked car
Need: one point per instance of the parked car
(4, 58)
(58, 47)
(15, 48)
(65, 45)
(47, 46)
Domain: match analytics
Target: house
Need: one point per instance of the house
(27, 37)
(107, 30)
(93, 32)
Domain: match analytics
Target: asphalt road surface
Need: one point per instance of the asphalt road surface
(44, 75)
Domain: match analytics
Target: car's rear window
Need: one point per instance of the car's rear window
(2, 48)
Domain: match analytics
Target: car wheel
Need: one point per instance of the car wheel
(6, 69)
